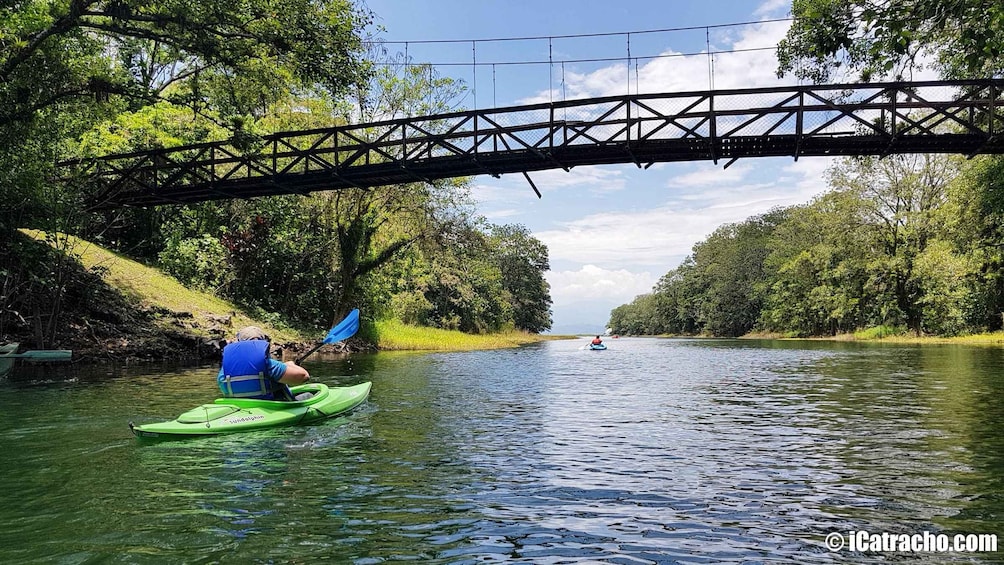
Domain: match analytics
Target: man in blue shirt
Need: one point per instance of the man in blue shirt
(249, 371)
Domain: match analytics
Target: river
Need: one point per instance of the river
(653, 451)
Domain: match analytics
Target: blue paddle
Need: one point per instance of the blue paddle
(344, 330)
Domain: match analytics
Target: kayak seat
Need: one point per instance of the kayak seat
(206, 413)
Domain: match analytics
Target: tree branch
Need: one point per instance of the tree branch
(59, 26)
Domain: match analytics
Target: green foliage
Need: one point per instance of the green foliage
(882, 39)
(719, 289)
(196, 262)
(160, 125)
(522, 261)
(879, 332)
(902, 242)
(945, 281)
(640, 317)
(466, 287)
(975, 223)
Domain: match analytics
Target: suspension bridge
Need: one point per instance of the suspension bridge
(961, 117)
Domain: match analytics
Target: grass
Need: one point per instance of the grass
(150, 288)
(878, 332)
(992, 338)
(394, 335)
(894, 334)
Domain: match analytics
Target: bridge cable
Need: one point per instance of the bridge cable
(711, 63)
(629, 63)
(637, 88)
(563, 98)
(596, 59)
(582, 35)
(550, 72)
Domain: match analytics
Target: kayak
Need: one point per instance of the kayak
(231, 415)
(597, 346)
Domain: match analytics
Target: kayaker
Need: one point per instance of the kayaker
(597, 340)
(249, 371)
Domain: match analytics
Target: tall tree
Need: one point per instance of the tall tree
(818, 269)
(522, 261)
(899, 197)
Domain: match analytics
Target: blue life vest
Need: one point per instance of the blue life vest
(245, 371)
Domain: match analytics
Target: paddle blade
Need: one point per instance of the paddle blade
(345, 329)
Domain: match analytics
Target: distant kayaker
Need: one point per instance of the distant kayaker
(249, 371)
(597, 340)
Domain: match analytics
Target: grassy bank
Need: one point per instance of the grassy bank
(172, 308)
(391, 335)
(994, 339)
(175, 306)
(885, 334)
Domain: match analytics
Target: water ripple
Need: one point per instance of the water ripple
(653, 451)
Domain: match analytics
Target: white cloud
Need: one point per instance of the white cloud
(773, 9)
(591, 283)
(513, 191)
(711, 176)
(660, 237)
(501, 214)
(745, 58)
(602, 179)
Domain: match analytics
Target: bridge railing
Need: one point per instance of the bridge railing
(937, 116)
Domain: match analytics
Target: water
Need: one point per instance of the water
(653, 451)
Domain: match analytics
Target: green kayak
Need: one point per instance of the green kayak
(230, 415)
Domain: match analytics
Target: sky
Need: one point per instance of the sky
(612, 231)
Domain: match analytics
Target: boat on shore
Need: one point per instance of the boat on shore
(9, 355)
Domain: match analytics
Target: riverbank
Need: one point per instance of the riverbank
(869, 336)
(136, 312)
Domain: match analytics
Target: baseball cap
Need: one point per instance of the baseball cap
(251, 332)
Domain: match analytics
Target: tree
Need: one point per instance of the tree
(817, 265)
(731, 261)
(899, 197)
(466, 287)
(257, 49)
(522, 261)
(374, 226)
(974, 221)
(69, 63)
(639, 317)
(66, 65)
(888, 39)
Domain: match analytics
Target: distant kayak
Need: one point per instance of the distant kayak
(232, 415)
(597, 346)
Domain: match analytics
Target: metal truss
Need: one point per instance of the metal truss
(963, 117)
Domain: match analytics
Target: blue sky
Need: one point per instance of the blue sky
(612, 231)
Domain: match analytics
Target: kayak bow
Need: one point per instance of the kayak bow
(231, 415)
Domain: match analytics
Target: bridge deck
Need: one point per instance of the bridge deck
(962, 117)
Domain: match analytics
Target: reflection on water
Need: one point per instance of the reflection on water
(652, 451)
